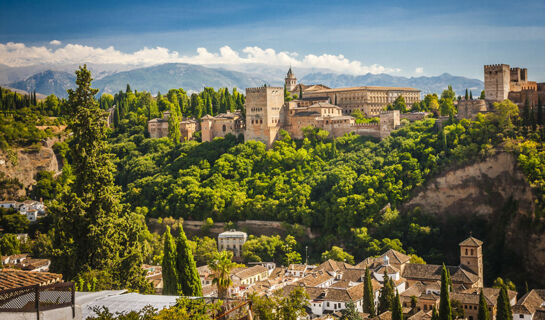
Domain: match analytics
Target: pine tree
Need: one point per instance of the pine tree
(445, 309)
(128, 89)
(189, 282)
(397, 311)
(170, 280)
(116, 117)
(386, 296)
(368, 296)
(483, 308)
(482, 97)
(93, 229)
(504, 308)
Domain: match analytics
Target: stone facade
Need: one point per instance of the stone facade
(222, 125)
(158, 128)
(468, 109)
(264, 113)
(502, 82)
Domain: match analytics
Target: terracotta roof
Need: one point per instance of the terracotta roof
(354, 275)
(384, 316)
(396, 257)
(314, 279)
(539, 315)
(10, 278)
(490, 294)
(420, 315)
(530, 301)
(250, 272)
(471, 242)
(324, 105)
(297, 267)
(389, 269)
(433, 272)
(330, 294)
(371, 88)
(332, 265)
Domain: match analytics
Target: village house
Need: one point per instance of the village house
(233, 241)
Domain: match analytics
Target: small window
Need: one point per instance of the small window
(521, 316)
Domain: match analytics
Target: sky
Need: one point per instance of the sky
(408, 38)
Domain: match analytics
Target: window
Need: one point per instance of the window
(471, 251)
(466, 251)
(224, 128)
(521, 316)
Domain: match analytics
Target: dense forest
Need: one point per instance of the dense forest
(348, 190)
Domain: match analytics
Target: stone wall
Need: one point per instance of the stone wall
(468, 109)
(264, 108)
(496, 82)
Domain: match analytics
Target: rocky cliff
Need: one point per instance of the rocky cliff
(493, 199)
(29, 162)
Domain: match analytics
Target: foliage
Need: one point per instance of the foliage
(399, 104)
(221, 266)
(503, 306)
(445, 309)
(9, 244)
(350, 312)
(12, 221)
(189, 283)
(397, 311)
(94, 230)
(500, 283)
(483, 313)
(279, 306)
(170, 278)
(9, 187)
(273, 249)
(368, 295)
(386, 297)
(46, 187)
(338, 254)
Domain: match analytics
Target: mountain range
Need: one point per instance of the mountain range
(193, 78)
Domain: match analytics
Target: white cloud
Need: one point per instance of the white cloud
(419, 70)
(55, 42)
(18, 54)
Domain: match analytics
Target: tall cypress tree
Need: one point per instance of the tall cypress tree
(503, 305)
(368, 296)
(539, 111)
(397, 311)
(170, 280)
(526, 113)
(445, 309)
(434, 314)
(467, 95)
(386, 297)
(470, 95)
(300, 91)
(483, 308)
(189, 282)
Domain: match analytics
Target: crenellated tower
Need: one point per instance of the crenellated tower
(496, 82)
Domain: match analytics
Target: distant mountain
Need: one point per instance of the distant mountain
(47, 82)
(435, 84)
(176, 75)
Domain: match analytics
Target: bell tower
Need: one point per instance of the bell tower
(471, 257)
(290, 81)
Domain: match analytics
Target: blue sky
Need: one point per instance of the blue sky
(399, 37)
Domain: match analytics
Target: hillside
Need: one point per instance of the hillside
(47, 82)
(176, 75)
(435, 84)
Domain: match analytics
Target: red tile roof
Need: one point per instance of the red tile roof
(11, 278)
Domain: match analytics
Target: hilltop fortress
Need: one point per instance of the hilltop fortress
(317, 106)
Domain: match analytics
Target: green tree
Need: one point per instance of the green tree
(279, 306)
(368, 295)
(539, 111)
(483, 308)
(434, 314)
(470, 95)
(503, 306)
(482, 97)
(189, 282)
(386, 297)
(174, 133)
(350, 312)
(445, 310)
(397, 311)
(93, 229)
(467, 95)
(338, 254)
(170, 278)
(9, 244)
(221, 266)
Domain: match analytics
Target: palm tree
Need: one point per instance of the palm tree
(221, 266)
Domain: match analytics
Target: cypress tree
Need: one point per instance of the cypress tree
(386, 297)
(526, 113)
(483, 308)
(467, 95)
(368, 297)
(504, 308)
(189, 282)
(174, 126)
(539, 112)
(533, 121)
(300, 91)
(116, 116)
(170, 280)
(470, 95)
(445, 309)
(434, 314)
(397, 311)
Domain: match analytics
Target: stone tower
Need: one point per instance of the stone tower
(264, 107)
(497, 79)
(290, 81)
(471, 257)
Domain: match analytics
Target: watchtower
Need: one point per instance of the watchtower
(290, 81)
(496, 82)
(471, 257)
(264, 106)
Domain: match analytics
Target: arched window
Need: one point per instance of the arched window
(224, 128)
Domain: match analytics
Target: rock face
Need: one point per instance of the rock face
(487, 190)
(29, 163)
(478, 189)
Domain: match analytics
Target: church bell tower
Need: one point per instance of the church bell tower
(291, 81)
(471, 257)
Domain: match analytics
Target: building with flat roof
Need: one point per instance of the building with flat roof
(232, 240)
